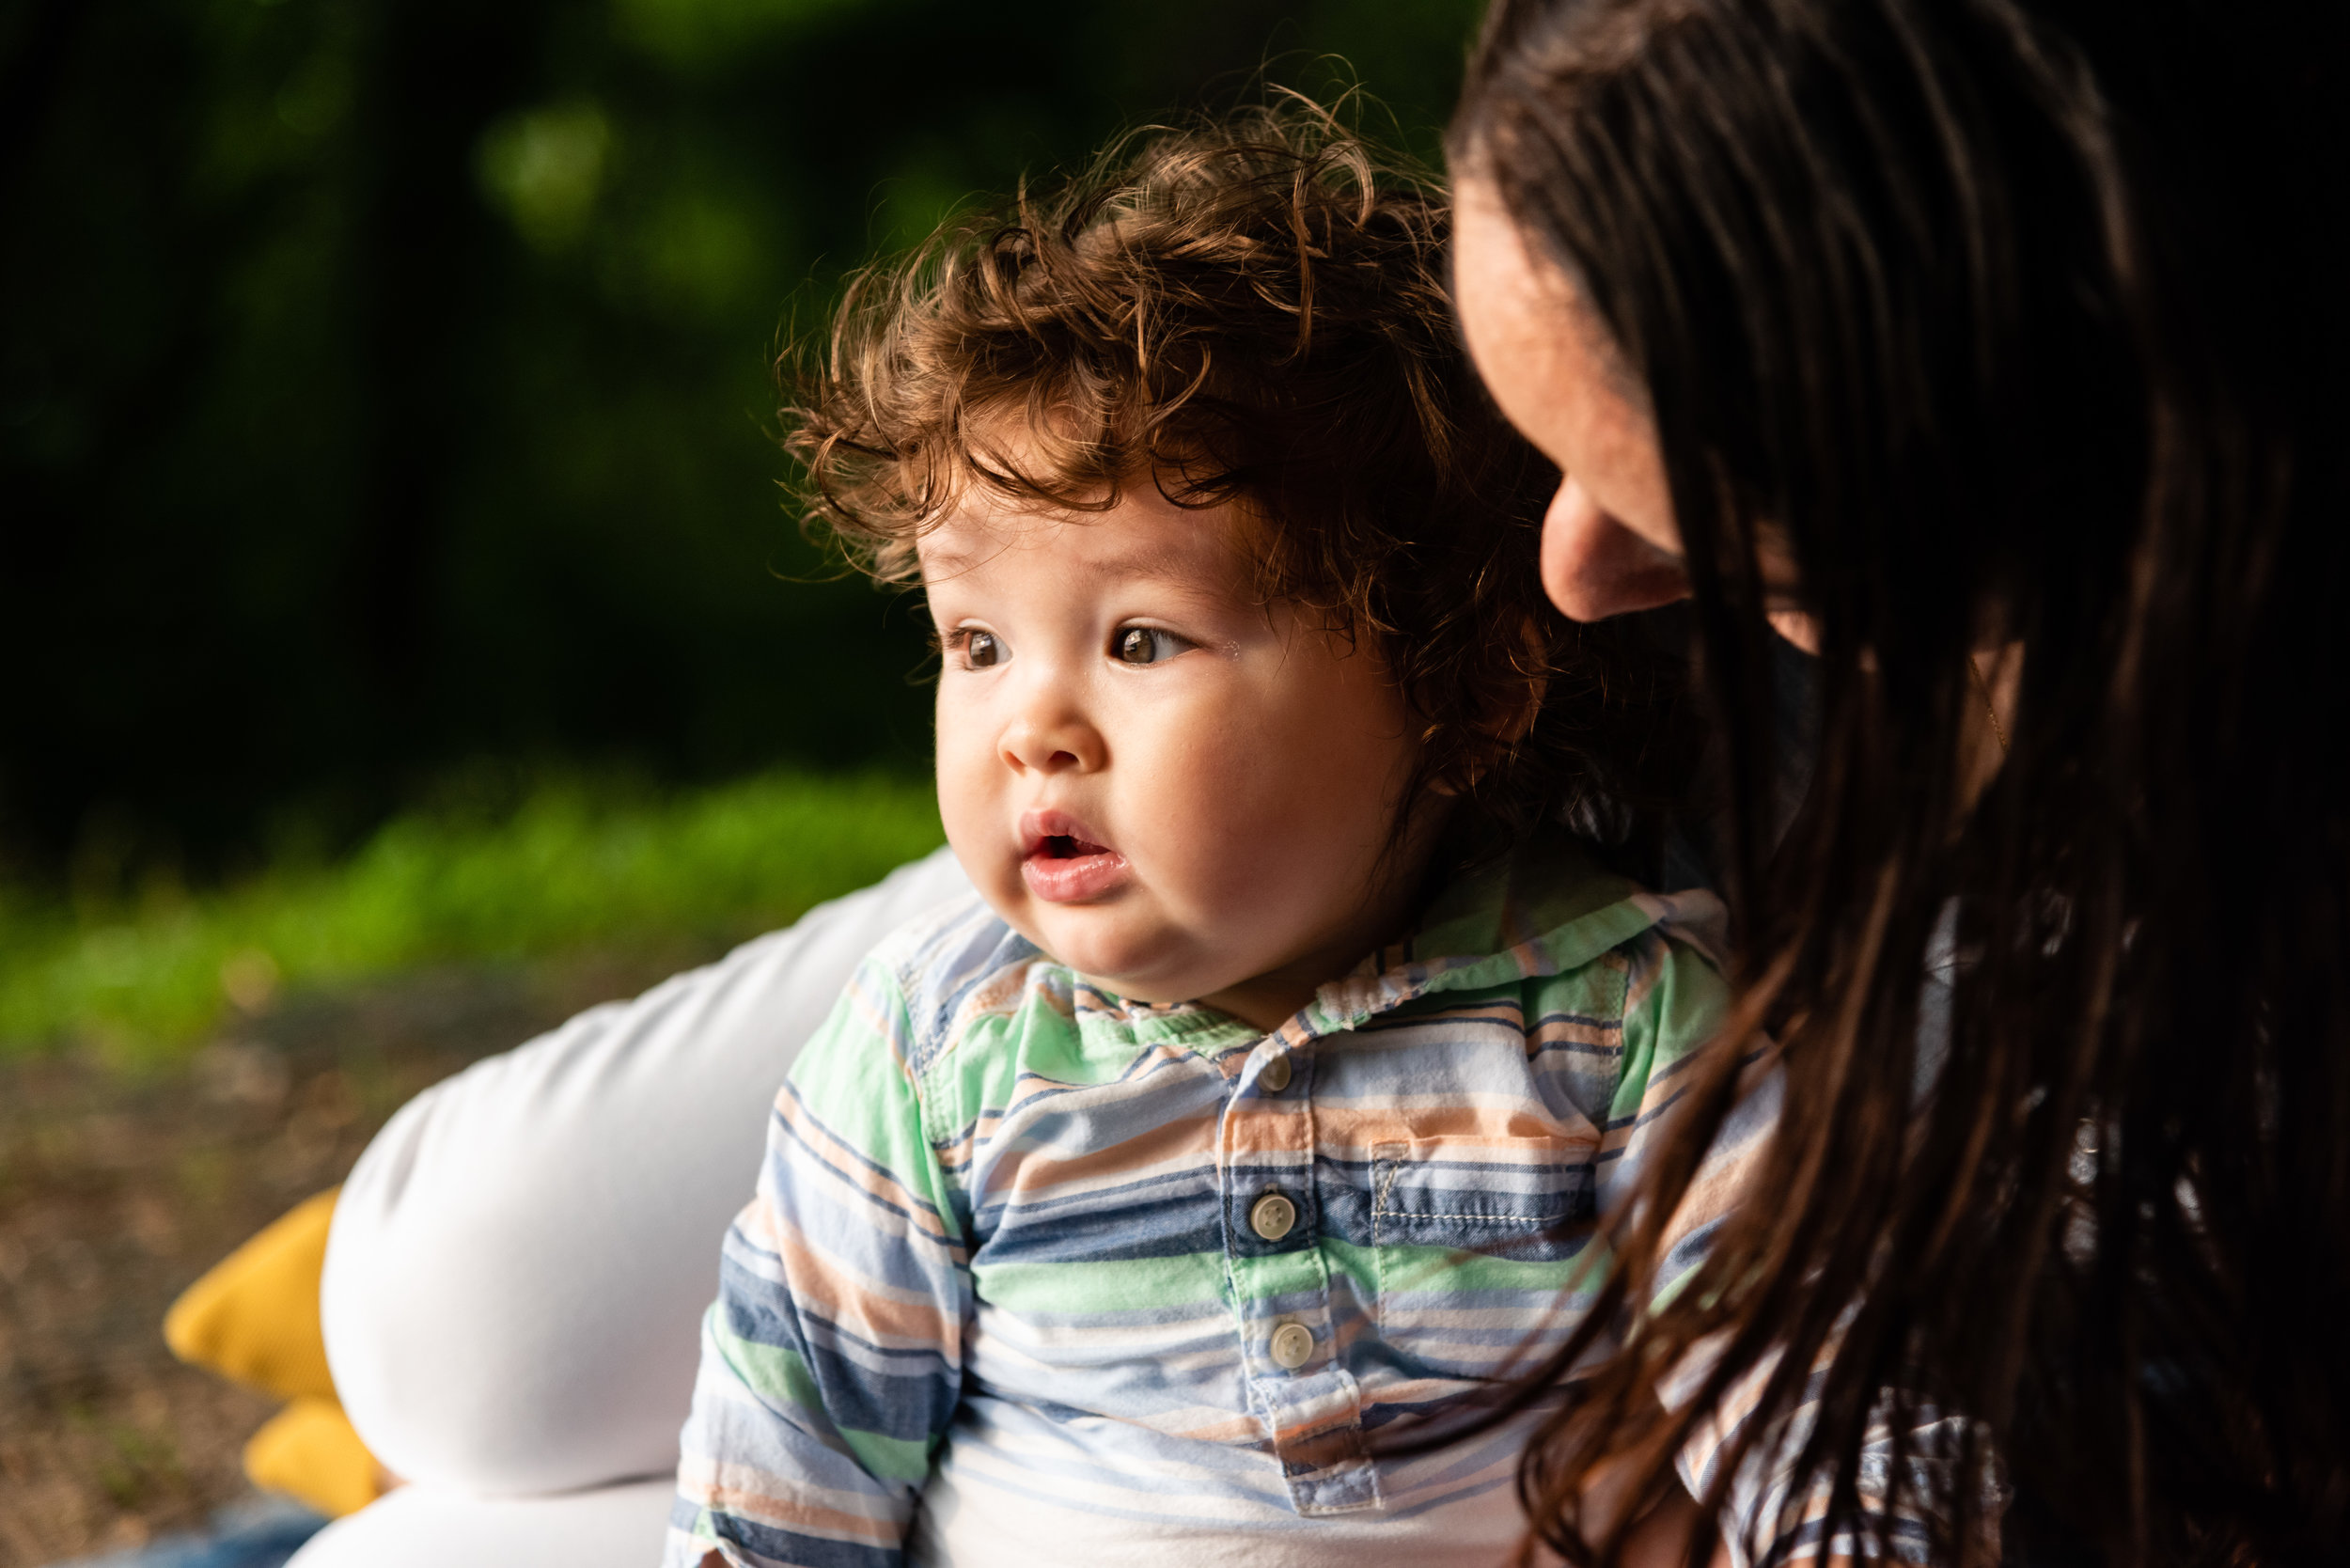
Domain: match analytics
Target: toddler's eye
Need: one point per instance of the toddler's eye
(982, 650)
(1145, 645)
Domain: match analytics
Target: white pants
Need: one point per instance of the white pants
(438, 1526)
(519, 1262)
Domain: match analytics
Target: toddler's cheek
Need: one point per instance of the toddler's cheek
(974, 833)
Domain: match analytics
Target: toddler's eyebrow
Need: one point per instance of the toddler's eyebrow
(1183, 569)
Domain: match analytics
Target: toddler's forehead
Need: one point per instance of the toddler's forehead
(1142, 536)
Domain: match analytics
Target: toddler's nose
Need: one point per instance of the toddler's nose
(1051, 740)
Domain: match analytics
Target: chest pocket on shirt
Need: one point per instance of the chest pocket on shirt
(1474, 1240)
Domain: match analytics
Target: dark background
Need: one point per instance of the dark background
(384, 387)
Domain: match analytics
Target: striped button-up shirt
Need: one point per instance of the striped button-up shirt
(1036, 1274)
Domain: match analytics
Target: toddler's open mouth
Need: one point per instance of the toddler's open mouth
(1064, 861)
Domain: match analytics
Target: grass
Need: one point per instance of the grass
(569, 869)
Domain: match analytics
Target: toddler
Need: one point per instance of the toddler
(1270, 1087)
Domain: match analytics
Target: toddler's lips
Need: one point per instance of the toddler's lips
(1063, 861)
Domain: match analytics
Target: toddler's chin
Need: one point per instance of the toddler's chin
(1128, 963)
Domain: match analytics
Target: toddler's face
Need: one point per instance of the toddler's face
(1177, 792)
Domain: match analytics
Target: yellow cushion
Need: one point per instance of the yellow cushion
(309, 1453)
(255, 1316)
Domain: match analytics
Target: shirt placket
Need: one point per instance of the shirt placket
(1297, 1379)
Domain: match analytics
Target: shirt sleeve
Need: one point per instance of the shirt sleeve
(832, 1361)
(1771, 1514)
(1675, 1002)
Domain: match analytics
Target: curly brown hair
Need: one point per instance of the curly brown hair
(1250, 310)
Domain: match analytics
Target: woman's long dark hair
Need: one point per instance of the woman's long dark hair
(2023, 323)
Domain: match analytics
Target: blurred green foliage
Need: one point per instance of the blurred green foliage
(569, 868)
(384, 384)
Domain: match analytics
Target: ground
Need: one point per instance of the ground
(117, 1188)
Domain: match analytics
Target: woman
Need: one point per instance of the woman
(1987, 350)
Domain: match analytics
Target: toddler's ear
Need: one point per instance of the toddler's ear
(1515, 719)
(1512, 710)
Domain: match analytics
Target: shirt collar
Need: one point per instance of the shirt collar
(1544, 909)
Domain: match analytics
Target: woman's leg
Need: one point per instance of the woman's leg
(431, 1527)
(519, 1262)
